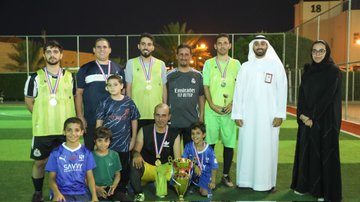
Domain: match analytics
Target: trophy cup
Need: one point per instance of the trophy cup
(182, 168)
(225, 97)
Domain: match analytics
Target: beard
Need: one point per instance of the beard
(260, 53)
(145, 53)
(52, 62)
(183, 64)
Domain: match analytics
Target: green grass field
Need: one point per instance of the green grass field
(15, 164)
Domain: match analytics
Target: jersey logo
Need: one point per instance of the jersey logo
(62, 158)
(81, 157)
(37, 152)
(166, 144)
(73, 167)
(193, 81)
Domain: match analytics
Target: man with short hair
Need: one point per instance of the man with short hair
(49, 96)
(91, 83)
(155, 144)
(219, 83)
(186, 94)
(259, 109)
(146, 80)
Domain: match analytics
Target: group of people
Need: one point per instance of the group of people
(133, 121)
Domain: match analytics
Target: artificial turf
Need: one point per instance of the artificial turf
(15, 165)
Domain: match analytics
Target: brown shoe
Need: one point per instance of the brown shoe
(37, 197)
(227, 181)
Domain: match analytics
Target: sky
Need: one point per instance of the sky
(119, 17)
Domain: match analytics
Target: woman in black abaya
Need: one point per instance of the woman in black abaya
(317, 162)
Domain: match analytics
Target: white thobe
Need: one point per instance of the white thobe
(260, 96)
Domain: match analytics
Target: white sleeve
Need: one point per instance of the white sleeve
(128, 71)
(238, 99)
(281, 91)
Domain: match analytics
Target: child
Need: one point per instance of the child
(205, 166)
(119, 113)
(70, 166)
(107, 171)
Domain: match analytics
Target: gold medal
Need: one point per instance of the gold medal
(158, 162)
(197, 169)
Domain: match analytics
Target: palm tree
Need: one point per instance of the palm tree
(166, 46)
(19, 57)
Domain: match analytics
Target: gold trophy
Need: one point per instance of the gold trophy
(225, 97)
(182, 168)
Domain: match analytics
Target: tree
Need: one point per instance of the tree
(166, 46)
(19, 57)
(276, 41)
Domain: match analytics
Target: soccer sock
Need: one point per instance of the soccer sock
(38, 183)
(228, 156)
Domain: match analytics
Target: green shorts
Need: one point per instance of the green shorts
(223, 126)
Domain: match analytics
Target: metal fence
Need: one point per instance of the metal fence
(338, 26)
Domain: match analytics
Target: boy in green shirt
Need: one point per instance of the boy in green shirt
(108, 167)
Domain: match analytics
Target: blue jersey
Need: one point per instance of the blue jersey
(117, 115)
(93, 82)
(206, 158)
(70, 167)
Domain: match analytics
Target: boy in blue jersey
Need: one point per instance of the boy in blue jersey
(70, 166)
(120, 114)
(205, 167)
(108, 166)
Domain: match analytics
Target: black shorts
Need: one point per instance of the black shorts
(42, 145)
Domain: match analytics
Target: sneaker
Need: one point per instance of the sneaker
(37, 197)
(298, 193)
(226, 180)
(139, 197)
(321, 199)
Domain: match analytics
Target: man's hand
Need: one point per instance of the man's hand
(138, 160)
(228, 108)
(277, 122)
(82, 118)
(239, 122)
(218, 109)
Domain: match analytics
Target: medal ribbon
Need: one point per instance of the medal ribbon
(200, 163)
(102, 71)
(223, 73)
(158, 152)
(58, 76)
(147, 74)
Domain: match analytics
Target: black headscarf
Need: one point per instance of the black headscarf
(324, 63)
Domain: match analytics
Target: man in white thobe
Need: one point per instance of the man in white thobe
(259, 107)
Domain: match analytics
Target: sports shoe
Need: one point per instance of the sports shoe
(37, 197)
(298, 193)
(321, 199)
(139, 197)
(226, 180)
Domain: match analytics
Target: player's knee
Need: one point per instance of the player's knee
(203, 192)
(40, 164)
